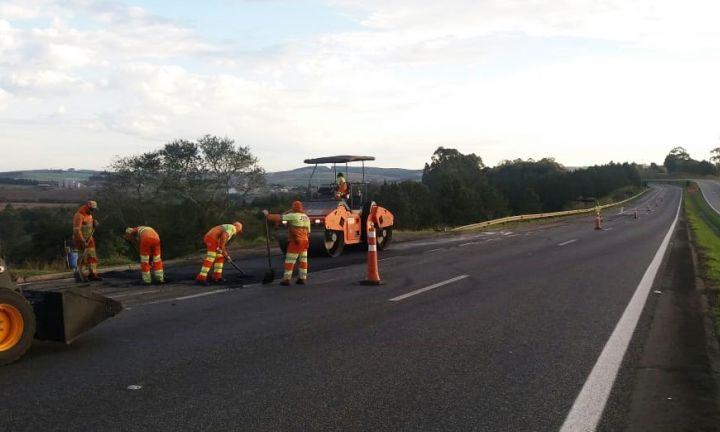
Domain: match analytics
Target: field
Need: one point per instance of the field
(35, 196)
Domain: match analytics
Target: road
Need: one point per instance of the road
(485, 331)
(711, 191)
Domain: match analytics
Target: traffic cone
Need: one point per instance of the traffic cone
(598, 222)
(373, 275)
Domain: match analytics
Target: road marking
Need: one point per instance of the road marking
(468, 244)
(434, 250)
(133, 293)
(202, 294)
(428, 288)
(589, 405)
(567, 242)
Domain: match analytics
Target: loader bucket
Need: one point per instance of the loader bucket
(64, 315)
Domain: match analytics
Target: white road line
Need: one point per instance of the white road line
(202, 294)
(468, 244)
(706, 200)
(434, 250)
(588, 408)
(428, 288)
(567, 242)
(133, 293)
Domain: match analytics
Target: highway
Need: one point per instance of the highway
(486, 331)
(711, 191)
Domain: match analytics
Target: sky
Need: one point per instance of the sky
(583, 81)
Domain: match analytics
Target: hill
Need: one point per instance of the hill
(323, 174)
(291, 178)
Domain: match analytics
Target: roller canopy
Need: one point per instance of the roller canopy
(339, 159)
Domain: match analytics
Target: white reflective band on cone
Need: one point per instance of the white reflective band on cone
(372, 248)
(371, 234)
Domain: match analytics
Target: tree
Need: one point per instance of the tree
(459, 187)
(189, 178)
(715, 158)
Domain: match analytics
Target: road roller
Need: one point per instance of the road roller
(337, 222)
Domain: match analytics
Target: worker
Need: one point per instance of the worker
(148, 242)
(216, 242)
(342, 188)
(298, 241)
(84, 241)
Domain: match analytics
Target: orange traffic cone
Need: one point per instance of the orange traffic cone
(373, 275)
(598, 222)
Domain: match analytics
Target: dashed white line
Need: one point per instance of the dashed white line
(434, 250)
(202, 294)
(133, 293)
(428, 288)
(567, 242)
(589, 405)
(468, 244)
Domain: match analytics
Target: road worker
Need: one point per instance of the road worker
(216, 242)
(342, 188)
(298, 241)
(84, 241)
(148, 242)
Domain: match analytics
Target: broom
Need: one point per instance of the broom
(269, 273)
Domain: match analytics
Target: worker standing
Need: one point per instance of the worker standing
(298, 241)
(342, 188)
(148, 241)
(216, 242)
(84, 242)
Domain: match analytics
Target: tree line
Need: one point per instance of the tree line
(459, 189)
(186, 187)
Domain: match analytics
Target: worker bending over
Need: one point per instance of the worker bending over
(216, 241)
(84, 242)
(298, 241)
(148, 242)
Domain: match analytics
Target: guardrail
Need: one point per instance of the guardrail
(542, 215)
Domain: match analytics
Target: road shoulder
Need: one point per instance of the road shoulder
(669, 379)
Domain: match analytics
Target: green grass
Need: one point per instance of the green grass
(705, 225)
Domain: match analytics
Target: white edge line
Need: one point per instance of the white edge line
(589, 405)
(567, 242)
(428, 288)
(468, 244)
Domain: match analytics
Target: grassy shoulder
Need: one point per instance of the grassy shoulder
(705, 226)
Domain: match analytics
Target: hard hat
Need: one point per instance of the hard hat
(92, 204)
(297, 206)
(238, 226)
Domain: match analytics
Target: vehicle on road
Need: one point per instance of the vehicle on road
(336, 223)
(56, 315)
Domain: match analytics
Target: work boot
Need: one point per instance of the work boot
(285, 282)
(146, 283)
(203, 282)
(300, 281)
(219, 281)
(94, 277)
(78, 277)
(160, 282)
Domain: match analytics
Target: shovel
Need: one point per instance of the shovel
(269, 273)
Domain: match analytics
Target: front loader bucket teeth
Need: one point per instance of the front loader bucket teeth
(64, 315)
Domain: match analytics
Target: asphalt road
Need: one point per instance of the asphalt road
(711, 191)
(503, 334)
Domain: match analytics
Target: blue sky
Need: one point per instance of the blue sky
(84, 81)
